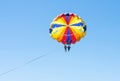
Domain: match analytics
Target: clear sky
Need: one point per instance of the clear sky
(24, 35)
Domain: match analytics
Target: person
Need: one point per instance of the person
(65, 47)
(69, 43)
(69, 48)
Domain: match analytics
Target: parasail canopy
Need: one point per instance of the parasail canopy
(68, 28)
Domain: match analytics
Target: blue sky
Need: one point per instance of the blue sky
(24, 36)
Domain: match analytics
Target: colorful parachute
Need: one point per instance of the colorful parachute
(68, 28)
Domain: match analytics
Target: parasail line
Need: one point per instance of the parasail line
(30, 61)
